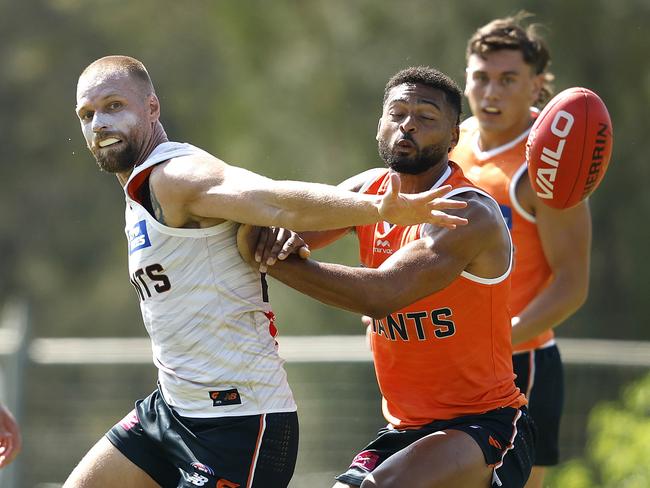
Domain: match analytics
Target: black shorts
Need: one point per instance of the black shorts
(257, 451)
(504, 435)
(540, 377)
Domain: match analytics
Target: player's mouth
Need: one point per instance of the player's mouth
(107, 142)
(404, 145)
(491, 110)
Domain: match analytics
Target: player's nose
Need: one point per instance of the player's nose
(99, 123)
(408, 124)
(491, 90)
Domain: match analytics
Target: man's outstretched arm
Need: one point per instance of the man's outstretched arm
(194, 188)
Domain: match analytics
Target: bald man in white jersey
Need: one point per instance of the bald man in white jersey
(223, 414)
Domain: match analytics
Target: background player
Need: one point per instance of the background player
(441, 330)
(507, 74)
(223, 414)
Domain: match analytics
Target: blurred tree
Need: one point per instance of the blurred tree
(618, 455)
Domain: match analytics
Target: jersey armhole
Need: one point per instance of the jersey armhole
(512, 193)
(472, 277)
(137, 190)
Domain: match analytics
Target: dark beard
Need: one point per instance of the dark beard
(117, 160)
(423, 160)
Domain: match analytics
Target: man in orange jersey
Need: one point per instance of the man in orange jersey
(438, 297)
(506, 76)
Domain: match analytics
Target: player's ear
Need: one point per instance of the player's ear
(154, 107)
(536, 87)
(455, 136)
(378, 128)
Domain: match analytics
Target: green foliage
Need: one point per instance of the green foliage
(572, 474)
(618, 455)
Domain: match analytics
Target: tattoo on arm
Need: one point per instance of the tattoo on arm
(155, 206)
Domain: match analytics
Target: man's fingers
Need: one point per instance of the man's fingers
(437, 200)
(294, 244)
(283, 237)
(277, 243)
(265, 243)
(442, 219)
(272, 245)
(395, 185)
(304, 252)
(446, 204)
(254, 235)
(289, 246)
(265, 247)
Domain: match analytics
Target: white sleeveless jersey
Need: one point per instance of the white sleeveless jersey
(202, 306)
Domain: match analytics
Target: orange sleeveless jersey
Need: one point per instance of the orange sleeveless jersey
(497, 172)
(448, 354)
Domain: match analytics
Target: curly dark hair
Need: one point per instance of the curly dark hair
(431, 77)
(513, 33)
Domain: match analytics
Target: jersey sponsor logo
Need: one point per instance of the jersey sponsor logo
(144, 280)
(225, 397)
(507, 215)
(202, 467)
(545, 177)
(382, 246)
(366, 460)
(494, 443)
(420, 325)
(197, 479)
(138, 237)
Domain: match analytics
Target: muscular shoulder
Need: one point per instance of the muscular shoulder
(483, 244)
(174, 184)
(187, 172)
(484, 210)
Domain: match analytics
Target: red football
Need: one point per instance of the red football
(569, 147)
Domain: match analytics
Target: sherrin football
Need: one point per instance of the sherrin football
(569, 147)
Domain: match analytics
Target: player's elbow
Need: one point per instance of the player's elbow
(376, 313)
(371, 307)
(386, 298)
(577, 296)
(379, 307)
(582, 292)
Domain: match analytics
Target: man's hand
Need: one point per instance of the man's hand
(426, 207)
(265, 245)
(10, 441)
